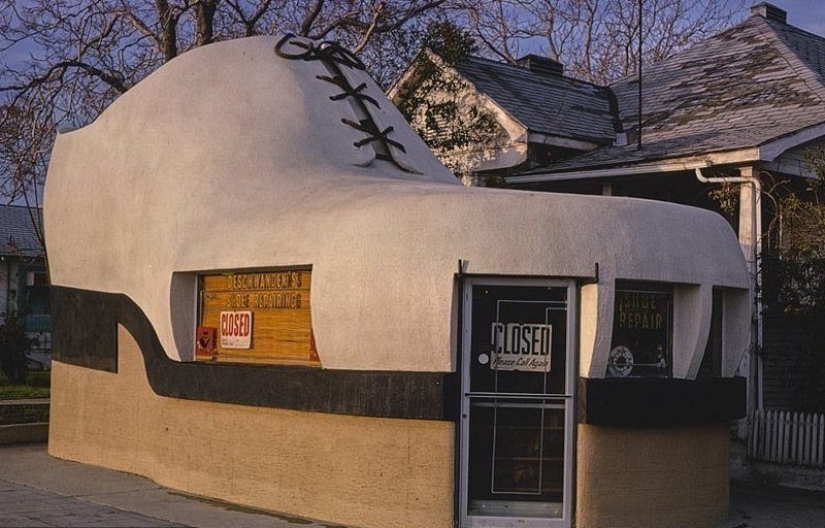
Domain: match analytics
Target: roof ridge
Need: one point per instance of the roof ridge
(800, 30)
(567, 90)
(530, 73)
(17, 206)
(799, 67)
(687, 49)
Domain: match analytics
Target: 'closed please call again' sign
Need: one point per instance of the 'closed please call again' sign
(236, 330)
(523, 347)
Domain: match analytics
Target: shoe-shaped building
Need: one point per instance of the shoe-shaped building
(268, 291)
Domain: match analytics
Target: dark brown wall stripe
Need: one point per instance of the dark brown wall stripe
(85, 334)
(644, 402)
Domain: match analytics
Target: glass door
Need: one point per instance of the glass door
(517, 414)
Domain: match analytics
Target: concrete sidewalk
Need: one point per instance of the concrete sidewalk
(761, 506)
(37, 490)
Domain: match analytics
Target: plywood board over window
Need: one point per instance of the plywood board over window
(257, 317)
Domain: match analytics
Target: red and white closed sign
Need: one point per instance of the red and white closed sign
(236, 329)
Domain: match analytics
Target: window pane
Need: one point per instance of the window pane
(518, 321)
(516, 466)
(642, 331)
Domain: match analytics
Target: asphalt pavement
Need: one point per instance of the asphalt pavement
(37, 490)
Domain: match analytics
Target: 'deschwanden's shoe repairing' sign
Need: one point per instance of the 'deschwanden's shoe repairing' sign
(258, 317)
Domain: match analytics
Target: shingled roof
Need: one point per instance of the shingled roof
(755, 83)
(546, 103)
(17, 234)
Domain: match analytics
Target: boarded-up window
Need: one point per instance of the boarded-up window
(256, 317)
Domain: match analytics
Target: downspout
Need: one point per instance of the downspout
(756, 238)
(8, 288)
(459, 389)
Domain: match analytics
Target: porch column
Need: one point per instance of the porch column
(750, 239)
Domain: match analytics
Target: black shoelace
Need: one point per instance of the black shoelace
(335, 57)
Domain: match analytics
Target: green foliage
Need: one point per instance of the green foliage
(794, 255)
(37, 385)
(726, 197)
(792, 263)
(14, 343)
(450, 42)
(442, 107)
(802, 276)
(793, 266)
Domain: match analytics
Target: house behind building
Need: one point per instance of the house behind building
(24, 287)
(741, 108)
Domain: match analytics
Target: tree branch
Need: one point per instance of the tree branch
(60, 68)
(306, 25)
(376, 14)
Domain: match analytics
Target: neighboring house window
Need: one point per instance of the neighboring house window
(34, 299)
(642, 331)
(36, 278)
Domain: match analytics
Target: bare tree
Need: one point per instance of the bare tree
(63, 61)
(595, 39)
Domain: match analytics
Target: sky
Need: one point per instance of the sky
(805, 14)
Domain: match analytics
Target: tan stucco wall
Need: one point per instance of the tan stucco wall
(366, 472)
(656, 478)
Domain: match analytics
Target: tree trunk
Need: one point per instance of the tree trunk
(205, 16)
(169, 30)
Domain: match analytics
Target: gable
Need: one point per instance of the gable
(545, 103)
(462, 126)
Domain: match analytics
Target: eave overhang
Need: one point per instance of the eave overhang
(767, 153)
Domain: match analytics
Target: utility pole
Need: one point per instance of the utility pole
(639, 135)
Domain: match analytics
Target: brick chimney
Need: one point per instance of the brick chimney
(770, 12)
(539, 64)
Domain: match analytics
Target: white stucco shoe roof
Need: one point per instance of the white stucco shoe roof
(231, 157)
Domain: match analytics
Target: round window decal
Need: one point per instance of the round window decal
(620, 362)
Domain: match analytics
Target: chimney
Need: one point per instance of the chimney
(770, 12)
(543, 65)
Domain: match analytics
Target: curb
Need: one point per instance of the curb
(24, 433)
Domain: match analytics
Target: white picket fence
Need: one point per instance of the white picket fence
(787, 438)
